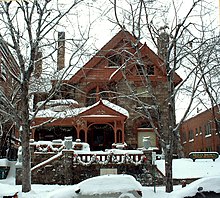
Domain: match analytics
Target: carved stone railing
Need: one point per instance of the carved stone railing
(109, 158)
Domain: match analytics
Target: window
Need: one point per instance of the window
(114, 60)
(197, 132)
(145, 125)
(191, 135)
(183, 137)
(208, 129)
(141, 70)
(208, 149)
(150, 70)
(218, 126)
(200, 130)
(93, 96)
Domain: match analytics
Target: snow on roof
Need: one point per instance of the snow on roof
(116, 107)
(100, 185)
(71, 112)
(67, 72)
(58, 102)
(109, 183)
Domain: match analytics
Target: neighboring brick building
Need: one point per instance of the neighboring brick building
(201, 132)
(8, 67)
(96, 104)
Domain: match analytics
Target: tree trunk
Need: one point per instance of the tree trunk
(168, 170)
(25, 136)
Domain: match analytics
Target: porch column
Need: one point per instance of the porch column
(32, 133)
(86, 132)
(123, 131)
(77, 132)
(115, 132)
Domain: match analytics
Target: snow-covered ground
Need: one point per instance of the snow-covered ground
(186, 168)
(182, 168)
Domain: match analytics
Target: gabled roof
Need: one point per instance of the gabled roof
(115, 73)
(105, 108)
(72, 112)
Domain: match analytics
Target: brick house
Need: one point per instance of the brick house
(97, 104)
(8, 66)
(201, 132)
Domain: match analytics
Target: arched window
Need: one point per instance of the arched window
(93, 96)
(145, 125)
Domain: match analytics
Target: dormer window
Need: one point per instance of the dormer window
(115, 60)
(142, 70)
(150, 70)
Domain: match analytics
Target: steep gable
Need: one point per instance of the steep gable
(122, 51)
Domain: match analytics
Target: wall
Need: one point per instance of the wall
(63, 169)
(200, 141)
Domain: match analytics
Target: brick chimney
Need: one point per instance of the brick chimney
(163, 43)
(38, 65)
(61, 51)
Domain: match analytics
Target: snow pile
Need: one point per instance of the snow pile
(186, 168)
(4, 162)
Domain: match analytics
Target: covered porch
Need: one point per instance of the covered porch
(100, 125)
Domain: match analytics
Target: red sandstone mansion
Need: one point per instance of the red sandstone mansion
(96, 103)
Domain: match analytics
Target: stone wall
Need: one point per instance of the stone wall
(64, 170)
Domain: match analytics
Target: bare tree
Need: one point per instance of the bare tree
(182, 43)
(28, 29)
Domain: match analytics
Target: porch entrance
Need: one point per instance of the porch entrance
(100, 137)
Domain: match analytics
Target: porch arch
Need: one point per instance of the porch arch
(100, 136)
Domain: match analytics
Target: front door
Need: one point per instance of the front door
(100, 137)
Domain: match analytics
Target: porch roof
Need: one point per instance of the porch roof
(72, 112)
